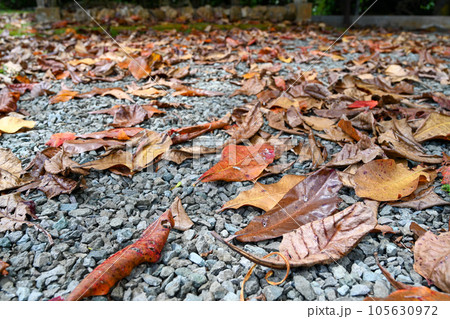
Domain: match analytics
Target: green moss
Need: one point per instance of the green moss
(446, 187)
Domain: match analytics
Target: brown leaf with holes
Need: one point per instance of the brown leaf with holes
(432, 259)
(322, 241)
(264, 196)
(313, 198)
(182, 220)
(385, 180)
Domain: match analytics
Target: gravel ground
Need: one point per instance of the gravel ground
(90, 225)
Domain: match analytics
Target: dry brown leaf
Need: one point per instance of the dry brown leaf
(180, 155)
(421, 199)
(385, 180)
(363, 151)
(118, 94)
(432, 259)
(10, 169)
(436, 126)
(322, 241)
(139, 68)
(250, 87)
(182, 220)
(13, 212)
(63, 96)
(252, 123)
(264, 196)
(318, 123)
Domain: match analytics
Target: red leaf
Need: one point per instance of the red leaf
(146, 249)
(56, 140)
(359, 104)
(240, 163)
(116, 133)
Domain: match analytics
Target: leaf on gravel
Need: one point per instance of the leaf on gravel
(436, 126)
(63, 96)
(10, 124)
(129, 115)
(139, 68)
(119, 162)
(8, 101)
(82, 146)
(146, 249)
(318, 123)
(56, 140)
(13, 212)
(95, 91)
(363, 151)
(181, 219)
(148, 93)
(264, 196)
(322, 241)
(54, 185)
(359, 104)
(250, 87)
(121, 134)
(250, 126)
(413, 294)
(190, 91)
(180, 155)
(313, 198)
(421, 199)
(445, 169)
(152, 145)
(3, 267)
(240, 163)
(432, 259)
(118, 94)
(10, 169)
(385, 180)
(276, 121)
(60, 163)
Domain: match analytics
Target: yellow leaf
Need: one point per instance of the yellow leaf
(436, 126)
(11, 124)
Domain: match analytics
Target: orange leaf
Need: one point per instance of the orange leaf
(359, 104)
(240, 163)
(63, 96)
(413, 294)
(56, 140)
(139, 68)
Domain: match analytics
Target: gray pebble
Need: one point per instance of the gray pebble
(380, 289)
(23, 293)
(359, 290)
(217, 290)
(35, 295)
(60, 224)
(230, 296)
(303, 286)
(192, 297)
(195, 258)
(272, 293)
(42, 259)
(197, 279)
(68, 207)
(15, 236)
(124, 235)
(5, 242)
(116, 222)
(343, 290)
(391, 249)
(173, 287)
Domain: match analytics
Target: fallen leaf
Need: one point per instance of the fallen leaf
(240, 163)
(421, 199)
(190, 91)
(3, 267)
(359, 104)
(8, 101)
(10, 124)
(312, 199)
(432, 259)
(318, 123)
(190, 132)
(82, 146)
(115, 133)
(322, 241)
(139, 68)
(181, 219)
(384, 180)
(445, 169)
(264, 196)
(10, 169)
(180, 155)
(63, 96)
(118, 94)
(347, 127)
(13, 212)
(250, 87)
(436, 126)
(152, 145)
(148, 93)
(146, 249)
(363, 151)
(252, 123)
(56, 140)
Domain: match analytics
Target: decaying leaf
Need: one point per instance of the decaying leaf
(264, 196)
(8, 101)
(139, 68)
(385, 180)
(436, 126)
(250, 87)
(251, 124)
(10, 124)
(312, 199)
(322, 241)
(146, 249)
(10, 169)
(363, 151)
(240, 163)
(432, 259)
(13, 212)
(181, 219)
(420, 199)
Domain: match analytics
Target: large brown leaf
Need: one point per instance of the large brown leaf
(363, 151)
(122, 134)
(436, 126)
(322, 241)
(180, 155)
(250, 87)
(129, 115)
(264, 196)
(252, 123)
(240, 163)
(432, 259)
(312, 199)
(81, 146)
(385, 180)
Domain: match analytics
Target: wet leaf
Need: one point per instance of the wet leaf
(116, 133)
(240, 163)
(312, 199)
(82, 146)
(384, 180)
(146, 249)
(322, 241)
(264, 196)
(151, 146)
(181, 219)
(180, 155)
(56, 140)
(436, 126)
(252, 123)
(10, 124)
(432, 259)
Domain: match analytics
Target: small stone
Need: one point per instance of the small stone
(167, 177)
(236, 219)
(251, 287)
(218, 267)
(339, 271)
(81, 212)
(348, 199)
(68, 207)
(173, 287)
(272, 293)
(42, 260)
(188, 235)
(225, 275)
(5, 242)
(230, 296)
(116, 222)
(391, 249)
(380, 290)
(405, 279)
(152, 280)
(303, 286)
(60, 224)
(384, 220)
(217, 290)
(23, 293)
(166, 271)
(255, 250)
(123, 235)
(183, 272)
(387, 210)
(195, 258)
(197, 279)
(359, 290)
(231, 228)
(35, 295)
(330, 282)
(192, 297)
(15, 236)
(330, 293)
(117, 293)
(369, 276)
(343, 290)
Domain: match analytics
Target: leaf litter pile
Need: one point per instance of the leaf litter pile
(163, 169)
